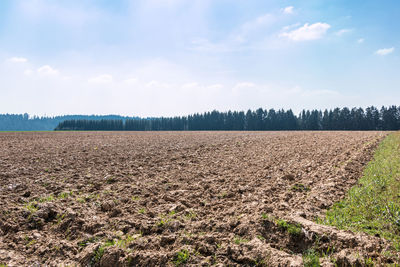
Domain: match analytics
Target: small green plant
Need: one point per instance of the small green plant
(86, 242)
(369, 262)
(135, 198)
(292, 229)
(264, 216)
(125, 242)
(181, 257)
(31, 206)
(311, 258)
(30, 243)
(239, 240)
(46, 199)
(80, 200)
(261, 237)
(190, 215)
(300, 188)
(171, 213)
(64, 195)
(98, 254)
(142, 211)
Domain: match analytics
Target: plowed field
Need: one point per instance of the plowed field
(171, 198)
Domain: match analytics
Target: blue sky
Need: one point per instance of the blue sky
(176, 57)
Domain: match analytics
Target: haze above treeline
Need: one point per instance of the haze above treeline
(371, 118)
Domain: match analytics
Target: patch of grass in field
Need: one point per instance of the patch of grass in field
(373, 205)
(311, 258)
(181, 257)
(292, 229)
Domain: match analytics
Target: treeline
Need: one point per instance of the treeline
(371, 118)
(23, 122)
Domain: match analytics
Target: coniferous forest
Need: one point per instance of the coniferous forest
(23, 122)
(355, 119)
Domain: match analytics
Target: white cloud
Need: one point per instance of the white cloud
(360, 41)
(343, 31)
(308, 32)
(47, 70)
(190, 85)
(288, 10)
(18, 60)
(215, 86)
(385, 51)
(104, 78)
(131, 81)
(244, 85)
(286, 28)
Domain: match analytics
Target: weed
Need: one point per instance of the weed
(163, 221)
(369, 262)
(264, 216)
(190, 215)
(135, 198)
(31, 206)
(181, 257)
(300, 188)
(98, 254)
(86, 242)
(30, 243)
(142, 211)
(124, 243)
(261, 237)
(80, 200)
(64, 195)
(239, 240)
(292, 229)
(311, 258)
(171, 213)
(46, 199)
(223, 195)
(60, 218)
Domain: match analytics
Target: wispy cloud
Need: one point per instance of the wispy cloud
(288, 10)
(17, 60)
(307, 32)
(104, 78)
(343, 31)
(384, 51)
(47, 70)
(361, 40)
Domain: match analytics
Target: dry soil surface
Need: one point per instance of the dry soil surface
(170, 198)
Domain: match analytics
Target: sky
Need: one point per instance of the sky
(178, 57)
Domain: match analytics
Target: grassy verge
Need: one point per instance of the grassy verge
(373, 206)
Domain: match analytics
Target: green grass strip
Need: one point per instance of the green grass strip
(373, 205)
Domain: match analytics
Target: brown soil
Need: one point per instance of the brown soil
(217, 195)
